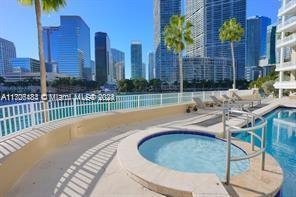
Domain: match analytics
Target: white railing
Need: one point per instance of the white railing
(287, 39)
(17, 117)
(288, 5)
(286, 22)
(251, 129)
(285, 65)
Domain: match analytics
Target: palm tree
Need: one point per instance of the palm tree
(231, 31)
(47, 6)
(177, 35)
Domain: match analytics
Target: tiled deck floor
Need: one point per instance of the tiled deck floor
(88, 167)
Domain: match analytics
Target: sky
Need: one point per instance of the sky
(123, 20)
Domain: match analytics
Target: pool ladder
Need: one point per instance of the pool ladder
(250, 120)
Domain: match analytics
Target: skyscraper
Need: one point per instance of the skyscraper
(118, 64)
(151, 66)
(25, 65)
(103, 58)
(256, 44)
(7, 51)
(136, 60)
(143, 70)
(271, 44)
(50, 44)
(68, 46)
(207, 69)
(268, 63)
(166, 63)
(207, 17)
(93, 70)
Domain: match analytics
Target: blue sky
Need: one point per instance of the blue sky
(123, 20)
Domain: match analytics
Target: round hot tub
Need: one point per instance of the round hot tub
(191, 152)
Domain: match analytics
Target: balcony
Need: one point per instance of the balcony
(288, 9)
(287, 66)
(288, 41)
(289, 25)
(285, 85)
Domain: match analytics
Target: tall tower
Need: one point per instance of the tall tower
(166, 65)
(255, 45)
(7, 51)
(207, 17)
(151, 66)
(136, 60)
(68, 46)
(118, 58)
(103, 58)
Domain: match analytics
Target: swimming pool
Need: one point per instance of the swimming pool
(189, 152)
(281, 144)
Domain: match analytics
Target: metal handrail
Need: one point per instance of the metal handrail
(230, 129)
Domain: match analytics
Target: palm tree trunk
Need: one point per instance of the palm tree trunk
(181, 72)
(41, 55)
(233, 66)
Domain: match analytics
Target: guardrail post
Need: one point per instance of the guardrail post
(263, 144)
(138, 101)
(161, 99)
(228, 149)
(75, 105)
(32, 110)
(252, 136)
(108, 106)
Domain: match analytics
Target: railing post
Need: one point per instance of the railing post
(203, 96)
(160, 99)
(178, 98)
(75, 105)
(263, 144)
(138, 101)
(108, 105)
(192, 95)
(252, 136)
(32, 110)
(228, 149)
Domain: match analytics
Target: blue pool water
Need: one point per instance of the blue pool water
(281, 144)
(192, 153)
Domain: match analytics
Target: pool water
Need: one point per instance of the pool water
(281, 144)
(192, 153)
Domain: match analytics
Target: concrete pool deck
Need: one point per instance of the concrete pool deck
(88, 166)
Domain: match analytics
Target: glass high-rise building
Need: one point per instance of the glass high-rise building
(68, 46)
(7, 51)
(269, 62)
(207, 69)
(25, 65)
(118, 58)
(136, 60)
(256, 44)
(166, 62)
(50, 44)
(151, 66)
(103, 58)
(143, 70)
(207, 16)
(271, 44)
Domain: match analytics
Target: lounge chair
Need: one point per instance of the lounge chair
(242, 102)
(230, 104)
(202, 106)
(238, 98)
